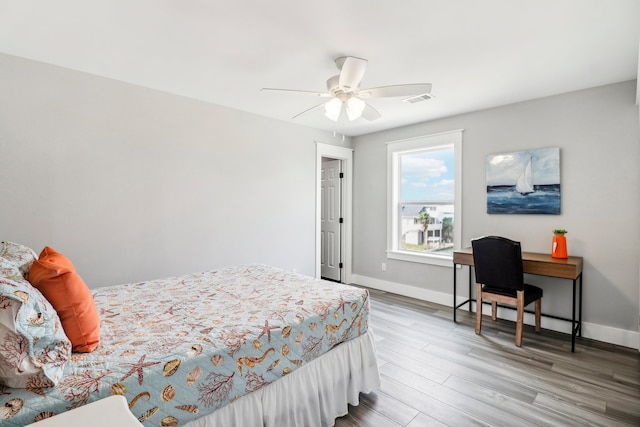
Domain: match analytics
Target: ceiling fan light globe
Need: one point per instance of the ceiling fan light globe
(332, 109)
(355, 107)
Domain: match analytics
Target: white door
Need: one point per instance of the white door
(330, 219)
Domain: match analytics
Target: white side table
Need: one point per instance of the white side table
(107, 412)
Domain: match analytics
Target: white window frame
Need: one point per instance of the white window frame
(394, 150)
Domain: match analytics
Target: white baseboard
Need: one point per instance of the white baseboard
(406, 290)
(593, 331)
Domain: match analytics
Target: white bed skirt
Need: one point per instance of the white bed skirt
(312, 395)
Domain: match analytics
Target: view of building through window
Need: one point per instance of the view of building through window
(426, 208)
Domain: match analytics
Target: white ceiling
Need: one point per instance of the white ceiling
(476, 53)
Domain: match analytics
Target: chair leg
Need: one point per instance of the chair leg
(478, 308)
(494, 310)
(520, 318)
(538, 313)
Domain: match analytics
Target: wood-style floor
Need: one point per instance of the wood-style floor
(437, 373)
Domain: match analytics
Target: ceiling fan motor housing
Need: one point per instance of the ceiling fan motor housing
(333, 85)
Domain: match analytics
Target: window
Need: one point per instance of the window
(424, 198)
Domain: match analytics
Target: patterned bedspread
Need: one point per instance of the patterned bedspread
(182, 347)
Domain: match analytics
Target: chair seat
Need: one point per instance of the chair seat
(531, 293)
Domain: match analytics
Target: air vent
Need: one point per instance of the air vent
(417, 98)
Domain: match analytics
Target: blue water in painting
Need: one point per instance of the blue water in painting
(506, 200)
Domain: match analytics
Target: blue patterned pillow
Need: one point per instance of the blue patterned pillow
(33, 345)
(17, 255)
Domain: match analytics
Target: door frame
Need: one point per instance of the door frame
(345, 155)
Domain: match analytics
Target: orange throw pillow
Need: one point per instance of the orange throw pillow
(56, 278)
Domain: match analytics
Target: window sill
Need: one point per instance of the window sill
(432, 259)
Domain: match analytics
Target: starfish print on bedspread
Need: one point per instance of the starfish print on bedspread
(280, 314)
(266, 330)
(137, 368)
(342, 303)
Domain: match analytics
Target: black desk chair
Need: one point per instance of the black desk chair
(499, 278)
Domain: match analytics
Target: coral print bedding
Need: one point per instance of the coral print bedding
(182, 347)
(33, 345)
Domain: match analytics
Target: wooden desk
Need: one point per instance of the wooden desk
(541, 265)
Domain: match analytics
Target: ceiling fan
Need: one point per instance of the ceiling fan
(344, 91)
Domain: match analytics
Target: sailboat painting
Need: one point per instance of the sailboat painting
(524, 182)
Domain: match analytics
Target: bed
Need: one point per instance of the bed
(250, 345)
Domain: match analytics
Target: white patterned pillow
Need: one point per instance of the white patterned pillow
(33, 345)
(15, 254)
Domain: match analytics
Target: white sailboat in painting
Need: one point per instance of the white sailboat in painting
(524, 185)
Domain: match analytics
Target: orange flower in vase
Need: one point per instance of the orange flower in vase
(559, 244)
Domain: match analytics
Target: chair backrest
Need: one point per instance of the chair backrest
(498, 262)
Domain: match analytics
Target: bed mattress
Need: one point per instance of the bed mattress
(183, 347)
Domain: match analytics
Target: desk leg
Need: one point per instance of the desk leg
(573, 318)
(470, 291)
(580, 308)
(455, 267)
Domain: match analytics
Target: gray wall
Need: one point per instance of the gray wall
(597, 132)
(133, 184)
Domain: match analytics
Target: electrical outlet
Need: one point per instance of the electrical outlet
(384, 266)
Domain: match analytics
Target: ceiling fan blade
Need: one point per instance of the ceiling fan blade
(352, 72)
(370, 113)
(308, 109)
(396, 90)
(308, 92)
